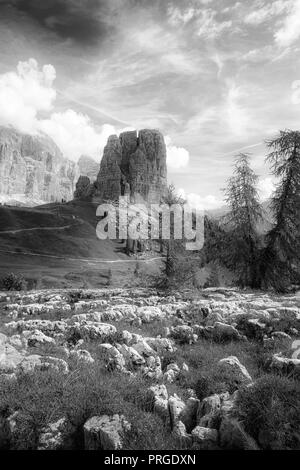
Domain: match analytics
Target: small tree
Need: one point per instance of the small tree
(171, 198)
(280, 258)
(242, 197)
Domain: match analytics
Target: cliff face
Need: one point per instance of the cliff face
(88, 167)
(33, 169)
(134, 164)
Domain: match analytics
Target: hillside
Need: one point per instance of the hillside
(57, 243)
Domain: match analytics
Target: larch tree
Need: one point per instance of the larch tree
(245, 212)
(280, 258)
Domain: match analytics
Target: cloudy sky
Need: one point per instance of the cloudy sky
(215, 76)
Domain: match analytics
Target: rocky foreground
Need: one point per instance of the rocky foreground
(158, 342)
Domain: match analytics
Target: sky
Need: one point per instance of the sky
(215, 76)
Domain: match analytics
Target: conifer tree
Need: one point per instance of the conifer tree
(242, 197)
(280, 258)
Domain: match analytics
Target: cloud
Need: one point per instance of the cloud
(27, 92)
(177, 157)
(237, 117)
(290, 30)
(177, 17)
(75, 135)
(83, 21)
(296, 92)
(196, 201)
(267, 12)
(265, 188)
(209, 27)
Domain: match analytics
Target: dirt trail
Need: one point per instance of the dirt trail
(88, 260)
(63, 227)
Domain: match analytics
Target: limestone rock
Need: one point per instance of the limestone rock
(235, 370)
(134, 165)
(285, 365)
(205, 438)
(184, 334)
(56, 436)
(84, 189)
(157, 399)
(222, 331)
(189, 413)
(81, 355)
(176, 406)
(38, 338)
(105, 432)
(208, 411)
(88, 167)
(33, 169)
(180, 433)
(10, 358)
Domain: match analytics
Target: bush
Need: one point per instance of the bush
(270, 411)
(209, 384)
(43, 397)
(13, 282)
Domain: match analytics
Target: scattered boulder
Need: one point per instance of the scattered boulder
(10, 358)
(105, 432)
(224, 332)
(81, 355)
(176, 406)
(208, 411)
(184, 334)
(37, 338)
(232, 367)
(157, 400)
(57, 436)
(205, 438)
(180, 433)
(285, 365)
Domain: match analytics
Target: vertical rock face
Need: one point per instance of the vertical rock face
(83, 188)
(88, 167)
(33, 169)
(133, 164)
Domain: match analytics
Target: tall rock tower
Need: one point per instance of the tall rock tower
(133, 164)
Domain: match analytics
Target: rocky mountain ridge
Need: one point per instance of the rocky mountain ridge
(33, 170)
(133, 164)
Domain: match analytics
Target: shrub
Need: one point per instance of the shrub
(13, 282)
(270, 410)
(212, 383)
(43, 397)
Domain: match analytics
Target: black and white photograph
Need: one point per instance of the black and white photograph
(150, 228)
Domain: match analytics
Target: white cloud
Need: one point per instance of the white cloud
(196, 201)
(75, 134)
(265, 188)
(290, 30)
(237, 117)
(177, 17)
(209, 27)
(205, 20)
(23, 94)
(267, 12)
(296, 92)
(177, 157)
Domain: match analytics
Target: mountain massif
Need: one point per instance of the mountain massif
(33, 170)
(133, 164)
